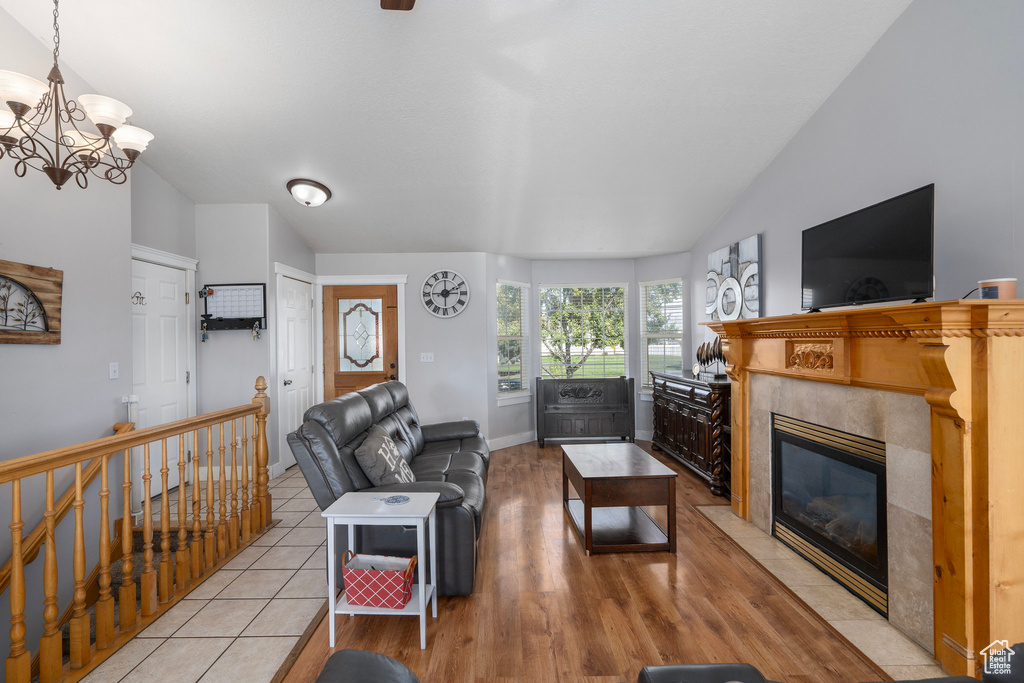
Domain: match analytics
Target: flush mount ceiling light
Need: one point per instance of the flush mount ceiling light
(35, 109)
(308, 192)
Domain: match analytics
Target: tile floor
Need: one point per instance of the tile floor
(895, 653)
(241, 623)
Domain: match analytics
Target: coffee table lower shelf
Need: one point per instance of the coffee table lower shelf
(618, 529)
(411, 608)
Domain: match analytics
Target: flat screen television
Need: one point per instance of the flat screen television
(881, 253)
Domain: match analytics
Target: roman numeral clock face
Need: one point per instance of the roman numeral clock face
(445, 293)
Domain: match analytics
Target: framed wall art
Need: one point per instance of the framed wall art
(734, 281)
(29, 304)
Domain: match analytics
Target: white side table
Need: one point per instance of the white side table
(369, 509)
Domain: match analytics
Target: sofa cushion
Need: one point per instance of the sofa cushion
(381, 461)
(344, 417)
(472, 486)
(443, 464)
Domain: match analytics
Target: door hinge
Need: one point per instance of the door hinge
(188, 377)
(186, 298)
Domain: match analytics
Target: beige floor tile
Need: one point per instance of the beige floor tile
(300, 505)
(273, 536)
(245, 558)
(179, 660)
(307, 583)
(796, 572)
(284, 557)
(318, 560)
(257, 583)
(305, 536)
(914, 673)
(284, 617)
(304, 493)
(175, 618)
(737, 528)
(765, 548)
(288, 519)
(124, 660)
(882, 643)
(215, 584)
(221, 618)
(833, 602)
(251, 660)
(314, 518)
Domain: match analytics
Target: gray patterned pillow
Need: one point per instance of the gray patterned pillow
(380, 460)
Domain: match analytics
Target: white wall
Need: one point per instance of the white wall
(54, 396)
(162, 217)
(455, 385)
(937, 100)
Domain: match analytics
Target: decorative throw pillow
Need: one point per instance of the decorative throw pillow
(380, 460)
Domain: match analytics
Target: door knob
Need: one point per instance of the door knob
(392, 377)
(287, 382)
(392, 367)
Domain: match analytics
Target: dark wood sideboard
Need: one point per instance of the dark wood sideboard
(692, 424)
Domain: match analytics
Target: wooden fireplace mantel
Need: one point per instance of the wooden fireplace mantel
(967, 359)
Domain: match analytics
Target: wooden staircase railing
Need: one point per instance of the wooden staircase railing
(163, 584)
(31, 544)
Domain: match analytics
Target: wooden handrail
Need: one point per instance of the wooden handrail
(162, 583)
(63, 457)
(34, 541)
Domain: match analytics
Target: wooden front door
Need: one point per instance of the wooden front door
(360, 337)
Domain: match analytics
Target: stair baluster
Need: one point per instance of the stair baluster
(210, 549)
(81, 622)
(222, 491)
(105, 603)
(19, 663)
(165, 576)
(50, 650)
(246, 521)
(183, 577)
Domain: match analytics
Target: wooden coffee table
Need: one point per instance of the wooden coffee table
(613, 480)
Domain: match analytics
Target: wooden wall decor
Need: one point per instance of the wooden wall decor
(29, 304)
(967, 359)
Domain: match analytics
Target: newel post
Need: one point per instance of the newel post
(262, 451)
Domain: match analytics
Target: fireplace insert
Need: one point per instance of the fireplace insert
(828, 504)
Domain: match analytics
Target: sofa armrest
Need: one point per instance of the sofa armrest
(451, 494)
(444, 431)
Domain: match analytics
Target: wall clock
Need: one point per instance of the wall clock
(445, 293)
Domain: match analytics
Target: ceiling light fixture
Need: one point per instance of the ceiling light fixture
(308, 192)
(72, 151)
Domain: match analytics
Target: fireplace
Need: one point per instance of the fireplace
(829, 504)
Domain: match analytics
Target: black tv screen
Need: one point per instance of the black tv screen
(881, 253)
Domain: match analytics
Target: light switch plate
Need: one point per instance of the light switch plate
(114, 373)
(426, 358)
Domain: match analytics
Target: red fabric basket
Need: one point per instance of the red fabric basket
(377, 580)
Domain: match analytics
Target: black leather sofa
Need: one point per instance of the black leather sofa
(450, 458)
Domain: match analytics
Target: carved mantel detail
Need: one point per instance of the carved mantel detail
(809, 355)
(966, 359)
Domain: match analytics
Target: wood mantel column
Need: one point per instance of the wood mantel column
(966, 358)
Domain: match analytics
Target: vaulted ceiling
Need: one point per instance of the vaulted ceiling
(539, 128)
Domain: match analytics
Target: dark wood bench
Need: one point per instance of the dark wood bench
(585, 408)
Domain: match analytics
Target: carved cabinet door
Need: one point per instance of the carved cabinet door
(701, 440)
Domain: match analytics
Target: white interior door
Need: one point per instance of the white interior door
(159, 364)
(295, 358)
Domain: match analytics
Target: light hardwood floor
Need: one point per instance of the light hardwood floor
(543, 611)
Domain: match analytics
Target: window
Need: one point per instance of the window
(582, 331)
(512, 338)
(661, 328)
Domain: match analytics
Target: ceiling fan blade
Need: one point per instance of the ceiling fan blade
(404, 5)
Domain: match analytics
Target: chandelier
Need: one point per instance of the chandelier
(46, 131)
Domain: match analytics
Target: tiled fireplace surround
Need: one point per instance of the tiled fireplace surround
(950, 369)
(903, 423)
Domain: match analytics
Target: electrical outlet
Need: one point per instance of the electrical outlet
(114, 373)
(426, 358)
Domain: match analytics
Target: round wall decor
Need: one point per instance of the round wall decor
(445, 293)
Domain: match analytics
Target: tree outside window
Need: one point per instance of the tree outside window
(511, 337)
(582, 331)
(661, 331)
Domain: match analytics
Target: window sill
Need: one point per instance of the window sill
(647, 394)
(512, 399)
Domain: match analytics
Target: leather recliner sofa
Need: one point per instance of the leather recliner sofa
(450, 458)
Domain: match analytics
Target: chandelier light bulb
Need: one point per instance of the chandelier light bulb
(21, 92)
(132, 139)
(308, 192)
(105, 112)
(85, 146)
